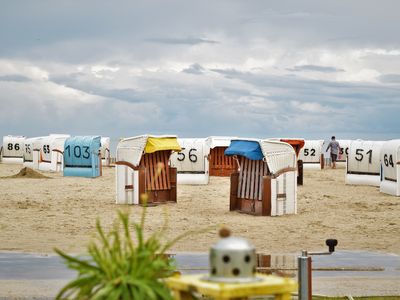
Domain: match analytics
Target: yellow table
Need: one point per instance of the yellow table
(185, 286)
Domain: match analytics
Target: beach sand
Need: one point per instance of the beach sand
(39, 214)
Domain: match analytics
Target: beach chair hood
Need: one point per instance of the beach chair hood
(296, 143)
(248, 149)
(155, 144)
(278, 155)
(132, 149)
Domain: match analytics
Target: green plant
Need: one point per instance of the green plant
(119, 268)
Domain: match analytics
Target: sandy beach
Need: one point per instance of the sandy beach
(39, 214)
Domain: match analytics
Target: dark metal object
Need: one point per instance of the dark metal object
(305, 269)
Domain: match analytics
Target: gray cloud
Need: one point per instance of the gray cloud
(390, 78)
(290, 106)
(181, 41)
(229, 73)
(75, 82)
(194, 69)
(314, 68)
(15, 78)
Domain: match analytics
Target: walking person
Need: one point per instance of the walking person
(334, 146)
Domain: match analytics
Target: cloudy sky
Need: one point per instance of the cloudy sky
(198, 68)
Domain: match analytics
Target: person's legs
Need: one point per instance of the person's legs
(333, 157)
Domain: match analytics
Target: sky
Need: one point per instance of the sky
(250, 68)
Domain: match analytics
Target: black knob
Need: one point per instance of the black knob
(331, 243)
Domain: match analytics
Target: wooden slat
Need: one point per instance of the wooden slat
(168, 168)
(164, 171)
(172, 174)
(143, 164)
(149, 173)
(257, 180)
(158, 176)
(256, 175)
(266, 199)
(163, 174)
(154, 170)
(245, 166)
(248, 181)
(213, 154)
(262, 174)
(243, 195)
(234, 191)
(161, 177)
(251, 181)
(167, 180)
(241, 192)
(142, 183)
(158, 181)
(225, 158)
(240, 184)
(154, 167)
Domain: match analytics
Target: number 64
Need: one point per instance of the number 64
(388, 161)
